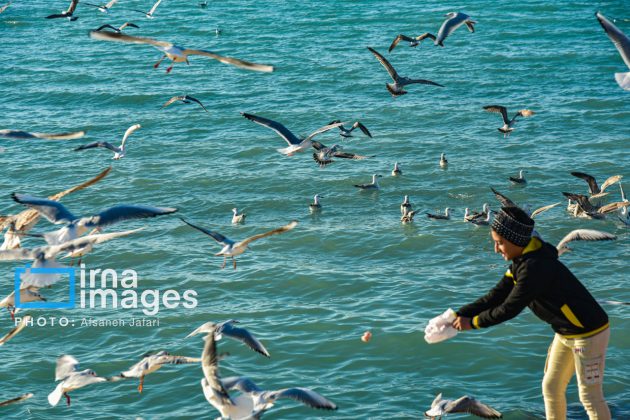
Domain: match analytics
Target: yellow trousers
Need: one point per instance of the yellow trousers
(585, 357)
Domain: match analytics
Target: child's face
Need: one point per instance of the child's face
(507, 249)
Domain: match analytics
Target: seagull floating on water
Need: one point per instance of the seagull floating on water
(185, 99)
(19, 134)
(175, 53)
(324, 154)
(396, 171)
(232, 248)
(398, 87)
(454, 21)
(295, 144)
(405, 206)
(119, 29)
(71, 379)
(149, 14)
(315, 206)
(520, 179)
(468, 215)
(68, 13)
(413, 42)
(238, 217)
(119, 151)
(445, 216)
(347, 132)
(622, 43)
(408, 216)
(372, 186)
(465, 404)
(507, 123)
(443, 161)
(582, 235)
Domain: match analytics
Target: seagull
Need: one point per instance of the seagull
(520, 180)
(315, 206)
(624, 213)
(347, 132)
(582, 235)
(443, 161)
(622, 43)
(175, 53)
(507, 123)
(236, 217)
(397, 88)
(185, 99)
(21, 398)
(204, 4)
(76, 226)
(150, 363)
(413, 42)
(408, 216)
(506, 202)
(23, 322)
(324, 154)
(405, 206)
(396, 171)
(481, 221)
(102, 7)
(454, 21)
(295, 144)
(595, 190)
(445, 216)
(485, 210)
(120, 151)
(232, 248)
(229, 329)
(2, 9)
(149, 14)
(584, 207)
(119, 29)
(27, 294)
(19, 134)
(372, 186)
(465, 404)
(71, 379)
(68, 13)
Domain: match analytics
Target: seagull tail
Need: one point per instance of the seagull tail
(623, 79)
(55, 396)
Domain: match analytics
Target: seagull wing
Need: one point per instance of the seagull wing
(399, 38)
(346, 155)
(17, 399)
(247, 65)
(584, 235)
(318, 146)
(215, 235)
(110, 4)
(543, 209)
(592, 184)
(190, 98)
(362, 128)
(621, 41)
(120, 37)
(19, 254)
(94, 145)
(324, 129)
(470, 405)
(65, 366)
(73, 5)
(86, 184)
(304, 395)
(54, 211)
(422, 81)
(498, 109)
(173, 99)
(16, 330)
(424, 36)
(210, 367)
(176, 360)
(282, 229)
(609, 208)
(240, 383)
(155, 6)
(241, 334)
(126, 212)
(386, 64)
(610, 181)
(107, 25)
(130, 24)
(504, 200)
(128, 133)
(60, 136)
(80, 243)
(284, 132)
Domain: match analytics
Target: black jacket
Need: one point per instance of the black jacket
(537, 279)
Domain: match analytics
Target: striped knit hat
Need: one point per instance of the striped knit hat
(513, 224)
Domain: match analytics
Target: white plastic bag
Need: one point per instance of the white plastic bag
(440, 328)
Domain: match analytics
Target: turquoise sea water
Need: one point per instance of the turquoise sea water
(311, 293)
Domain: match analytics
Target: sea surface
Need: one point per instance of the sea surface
(311, 293)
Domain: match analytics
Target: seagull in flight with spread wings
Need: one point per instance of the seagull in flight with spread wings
(119, 151)
(149, 14)
(508, 123)
(68, 13)
(466, 404)
(185, 99)
(622, 43)
(323, 155)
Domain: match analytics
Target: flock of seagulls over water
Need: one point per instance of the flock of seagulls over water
(79, 234)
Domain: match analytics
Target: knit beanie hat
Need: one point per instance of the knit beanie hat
(513, 224)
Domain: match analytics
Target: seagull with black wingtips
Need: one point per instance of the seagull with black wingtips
(347, 132)
(593, 189)
(102, 7)
(324, 154)
(149, 14)
(622, 43)
(372, 186)
(445, 216)
(119, 29)
(413, 41)
(119, 151)
(454, 21)
(185, 99)
(68, 13)
(508, 123)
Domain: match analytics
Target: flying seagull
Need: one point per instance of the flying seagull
(585, 208)
(465, 404)
(102, 7)
(520, 179)
(622, 43)
(175, 53)
(119, 29)
(398, 87)
(232, 248)
(507, 123)
(185, 99)
(149, 14)
(506, 202)
(19, 134)
(71, 379)
(119, 151)
(21, 398)
(150, 363)
(76, 226)
(413, 42)
(295, 143)
(582, 235)
(372, 186)
(595, 190)
(347, 132)
(229, 329)
(23, 322)
(323, 155)
(454, 21)
(68, 13)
